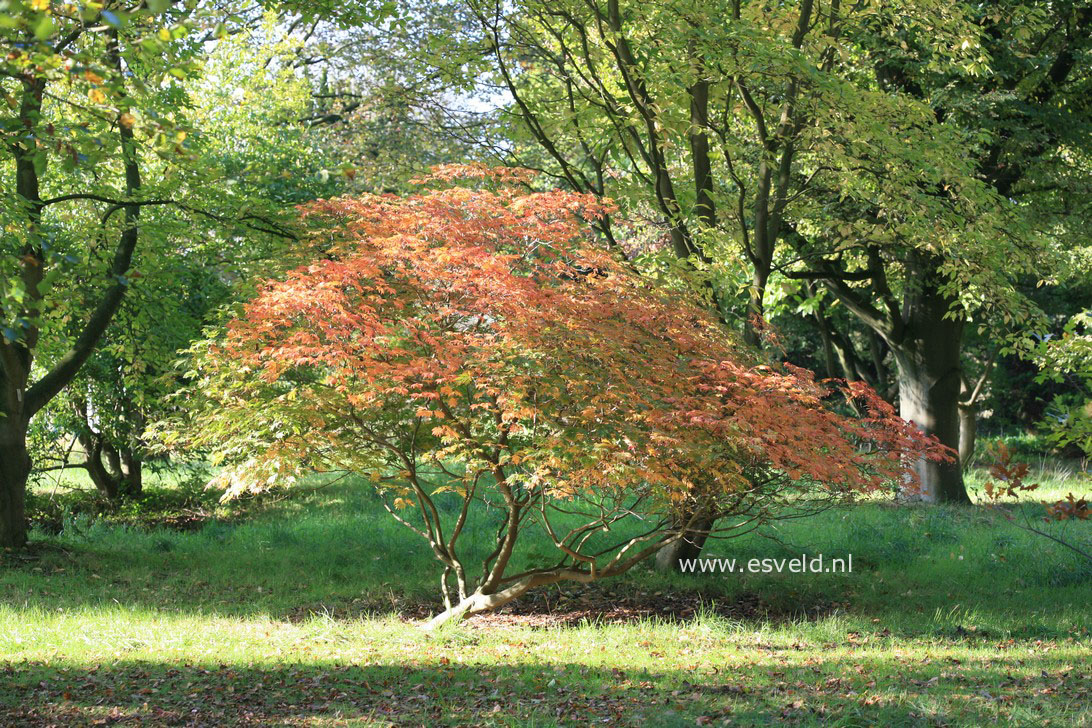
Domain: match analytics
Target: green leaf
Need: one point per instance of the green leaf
(44, 27)
(40, 160)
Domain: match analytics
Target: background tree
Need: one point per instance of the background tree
(56, 63)
(196, 264)
(1026, 127)
(773, 144)
(101, 172)
(1068, 358)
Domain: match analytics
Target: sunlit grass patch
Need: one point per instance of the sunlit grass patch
(307, 612)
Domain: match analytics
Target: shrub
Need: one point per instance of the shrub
(478, 345)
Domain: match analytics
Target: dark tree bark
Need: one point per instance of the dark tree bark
(14, 471)
(105, 481)
(16, 356)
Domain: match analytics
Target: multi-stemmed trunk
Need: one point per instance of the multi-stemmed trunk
(116, 473)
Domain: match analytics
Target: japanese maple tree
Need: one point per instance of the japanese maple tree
(474, 348)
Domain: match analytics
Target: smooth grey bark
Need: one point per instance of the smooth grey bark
(687, 546)
(928, 359)
(968, 433)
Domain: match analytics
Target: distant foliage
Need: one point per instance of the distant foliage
(1068, 359)
(1010, 483)
(478, 341)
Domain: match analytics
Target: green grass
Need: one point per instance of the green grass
(304, 611)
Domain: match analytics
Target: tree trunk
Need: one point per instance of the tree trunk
(14, 471)
(125, 469)
(928, 361)
(480, 602)
(113, 457)
(828, 346)
(968, 432)
(688, 546)
(484, 600)
(756, 305)
(105, 481)
(132, 473)
(877, 346)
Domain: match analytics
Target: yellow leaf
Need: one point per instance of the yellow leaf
(96, 96)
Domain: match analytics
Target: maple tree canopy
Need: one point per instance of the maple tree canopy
(478, 341)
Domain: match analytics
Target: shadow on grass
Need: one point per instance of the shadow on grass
(817, 692)
(336, 553)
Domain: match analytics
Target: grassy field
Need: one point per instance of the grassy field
(305, 611)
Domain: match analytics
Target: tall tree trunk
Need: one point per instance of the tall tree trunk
(968, 433)
(16, 357)
(928, 361)
(756, 303)
(18, 402)
(14, 471)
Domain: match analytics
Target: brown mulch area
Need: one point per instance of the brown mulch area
(573, 605)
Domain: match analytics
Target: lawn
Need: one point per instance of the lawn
(305, 610)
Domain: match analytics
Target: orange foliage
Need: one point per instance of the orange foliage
(488, 327)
